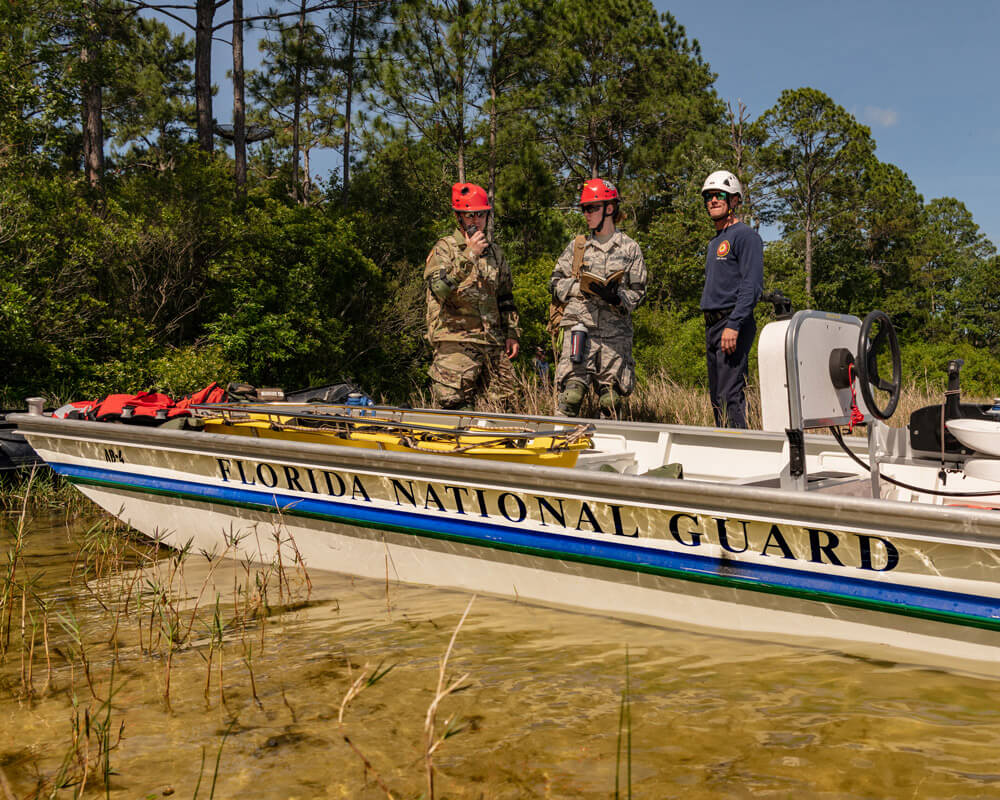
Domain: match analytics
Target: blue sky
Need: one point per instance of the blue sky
(919, 74)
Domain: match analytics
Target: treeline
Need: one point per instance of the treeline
(142, 244)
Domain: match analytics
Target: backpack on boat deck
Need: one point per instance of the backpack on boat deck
(556, 308)
(336, 393)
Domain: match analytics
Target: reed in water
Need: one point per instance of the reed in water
(128, 598)
(48, 492)
(131, 606)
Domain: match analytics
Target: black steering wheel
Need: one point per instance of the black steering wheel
(869, 349)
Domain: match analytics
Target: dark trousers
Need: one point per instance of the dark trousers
(727, 373)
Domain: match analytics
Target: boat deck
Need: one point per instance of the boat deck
(716, 455)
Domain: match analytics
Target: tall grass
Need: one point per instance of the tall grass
(623, 752)
(48, 492)
(658, 398)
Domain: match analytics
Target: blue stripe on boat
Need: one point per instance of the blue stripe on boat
(761, 577)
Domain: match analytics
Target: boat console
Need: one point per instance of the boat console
(819, 370)
(822, 370)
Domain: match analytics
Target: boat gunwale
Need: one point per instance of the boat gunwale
(938, 523)
(371, 419)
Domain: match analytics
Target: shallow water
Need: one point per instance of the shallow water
(710, 717)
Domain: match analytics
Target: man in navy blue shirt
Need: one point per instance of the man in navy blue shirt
(734, 278)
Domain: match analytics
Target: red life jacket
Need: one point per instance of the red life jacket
(144, 408)
(152, 407)
(213, 393)
(110, 408)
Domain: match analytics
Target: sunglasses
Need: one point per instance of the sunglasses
(477, 214)
(720, 195)
(590, 209)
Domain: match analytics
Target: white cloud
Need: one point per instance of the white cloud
(881, 117)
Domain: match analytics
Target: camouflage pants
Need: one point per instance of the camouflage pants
(606, 362)
(461, 371)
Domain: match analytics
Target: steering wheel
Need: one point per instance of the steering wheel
(869, 349)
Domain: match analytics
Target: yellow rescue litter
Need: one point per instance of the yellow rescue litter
(549, 448)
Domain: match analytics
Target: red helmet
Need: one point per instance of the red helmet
(596, 190)
(469, 197)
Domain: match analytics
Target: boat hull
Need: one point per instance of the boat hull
(15, 452)
(891, 580)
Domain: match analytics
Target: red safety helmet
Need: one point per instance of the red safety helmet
(596, 190)
(469, 197)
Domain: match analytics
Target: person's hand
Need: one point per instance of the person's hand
(475, 244)
(608, 293)
(728, 341)
(512, 348)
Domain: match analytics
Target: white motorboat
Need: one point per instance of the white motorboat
(887, 547)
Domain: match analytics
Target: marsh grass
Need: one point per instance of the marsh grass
(139, 591)
(48, 492)
(658, 398)
(218, 763)
(368, 677)
(445, 687)
(623, 751)
(94, 735)
(432, 737)
(16, 584)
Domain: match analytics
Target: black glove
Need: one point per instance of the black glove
(607, 292)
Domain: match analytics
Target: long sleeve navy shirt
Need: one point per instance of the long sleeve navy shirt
(734, 273)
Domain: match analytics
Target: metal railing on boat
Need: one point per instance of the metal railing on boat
(346, 421)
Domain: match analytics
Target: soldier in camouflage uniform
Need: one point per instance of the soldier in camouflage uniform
(605, 310)
(472, 322)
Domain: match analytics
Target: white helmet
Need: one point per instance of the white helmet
(723, 181)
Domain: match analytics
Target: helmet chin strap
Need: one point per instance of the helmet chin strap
(731, 210)
(604, 216)
(734, 208)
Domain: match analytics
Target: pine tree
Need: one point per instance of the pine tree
(426, 74)
(299, 89)
(814, 154)
(623, 95)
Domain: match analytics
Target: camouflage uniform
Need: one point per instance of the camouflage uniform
(607, 363)
(470, 316)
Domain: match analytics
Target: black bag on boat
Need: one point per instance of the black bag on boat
(240, 393)
(330, 393)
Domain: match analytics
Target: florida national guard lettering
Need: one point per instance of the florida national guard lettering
(597, 321)
(472, 322)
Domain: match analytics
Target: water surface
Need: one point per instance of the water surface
(540, 714)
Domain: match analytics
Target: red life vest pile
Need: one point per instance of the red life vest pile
(145, 408)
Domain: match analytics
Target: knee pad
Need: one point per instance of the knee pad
(571, 397)
(457, 404)
(609, 402)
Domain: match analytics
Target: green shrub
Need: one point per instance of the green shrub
(925, 364)
(185, 370)
(669, 344)
(295, 296)
(531, 294)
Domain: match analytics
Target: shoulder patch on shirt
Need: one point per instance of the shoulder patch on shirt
(723, 249)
